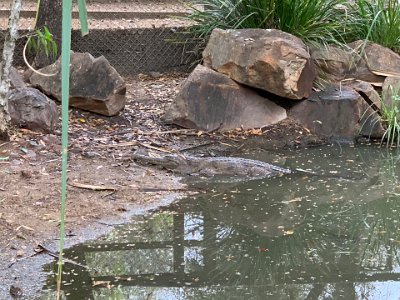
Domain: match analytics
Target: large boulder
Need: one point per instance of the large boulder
(332, 63)
(338, 114)
(212, 101)
(267, 59)
(29, 108)
(94, 84)
(380, 60)
(335, 64)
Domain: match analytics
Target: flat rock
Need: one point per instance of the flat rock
(94, 84)
(379, 60)
(337, 114)
(212, 101)
(267, 59)
(31, 109)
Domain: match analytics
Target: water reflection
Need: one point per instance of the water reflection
(334, 236)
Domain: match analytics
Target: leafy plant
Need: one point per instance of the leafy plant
(43, 40)
(378, 21)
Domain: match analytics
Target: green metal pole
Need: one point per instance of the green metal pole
(65, 71)
(65, 77)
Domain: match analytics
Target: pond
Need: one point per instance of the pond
(334, 235)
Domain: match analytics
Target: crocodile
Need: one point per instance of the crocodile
(212, 166)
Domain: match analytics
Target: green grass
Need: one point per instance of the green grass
(322, 21)
(391, 118)
(230, 14)
(377, 21)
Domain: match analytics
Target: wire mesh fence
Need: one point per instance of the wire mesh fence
(135, 37)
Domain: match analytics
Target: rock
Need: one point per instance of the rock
(336, 114)
(371, 95)
(94, 84)
(390, 89)
(31, 109)
(212, 101)
(361, 71)
(267, 59)
(16, 79)
(370, 121)
(379, 60)
(334, 64)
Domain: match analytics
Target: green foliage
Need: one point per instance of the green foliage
(322, 21)
(391, 117)
(43, 40)
(227, 14)
(378, 21)
(312, 20)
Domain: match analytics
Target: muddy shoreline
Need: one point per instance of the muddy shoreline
(27, 272)
(100, 155)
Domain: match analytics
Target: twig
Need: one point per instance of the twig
(152, 190)
(197, 146)
(134, 143)
(124, 144)
(3, 144)
(176, 131)
(156, 148)
(92, 187)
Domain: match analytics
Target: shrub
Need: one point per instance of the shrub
(323, 21)
(311, 20)
(378, 21)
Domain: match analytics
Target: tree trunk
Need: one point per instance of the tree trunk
(49, 15)
(8, 53)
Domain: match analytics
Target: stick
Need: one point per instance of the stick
(134, 143)
(92, 187)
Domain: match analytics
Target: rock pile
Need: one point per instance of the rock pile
(258, 77)
(94, 86)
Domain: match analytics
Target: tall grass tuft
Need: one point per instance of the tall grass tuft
(378, 21)
(230, 14)
(322, 21)
(391, 118)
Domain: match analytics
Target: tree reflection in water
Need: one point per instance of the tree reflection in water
(294, 237)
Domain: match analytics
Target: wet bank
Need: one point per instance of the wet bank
(333, 235)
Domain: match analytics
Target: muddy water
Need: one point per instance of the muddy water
(334, 235)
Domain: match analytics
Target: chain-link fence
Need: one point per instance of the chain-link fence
(136, 37)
